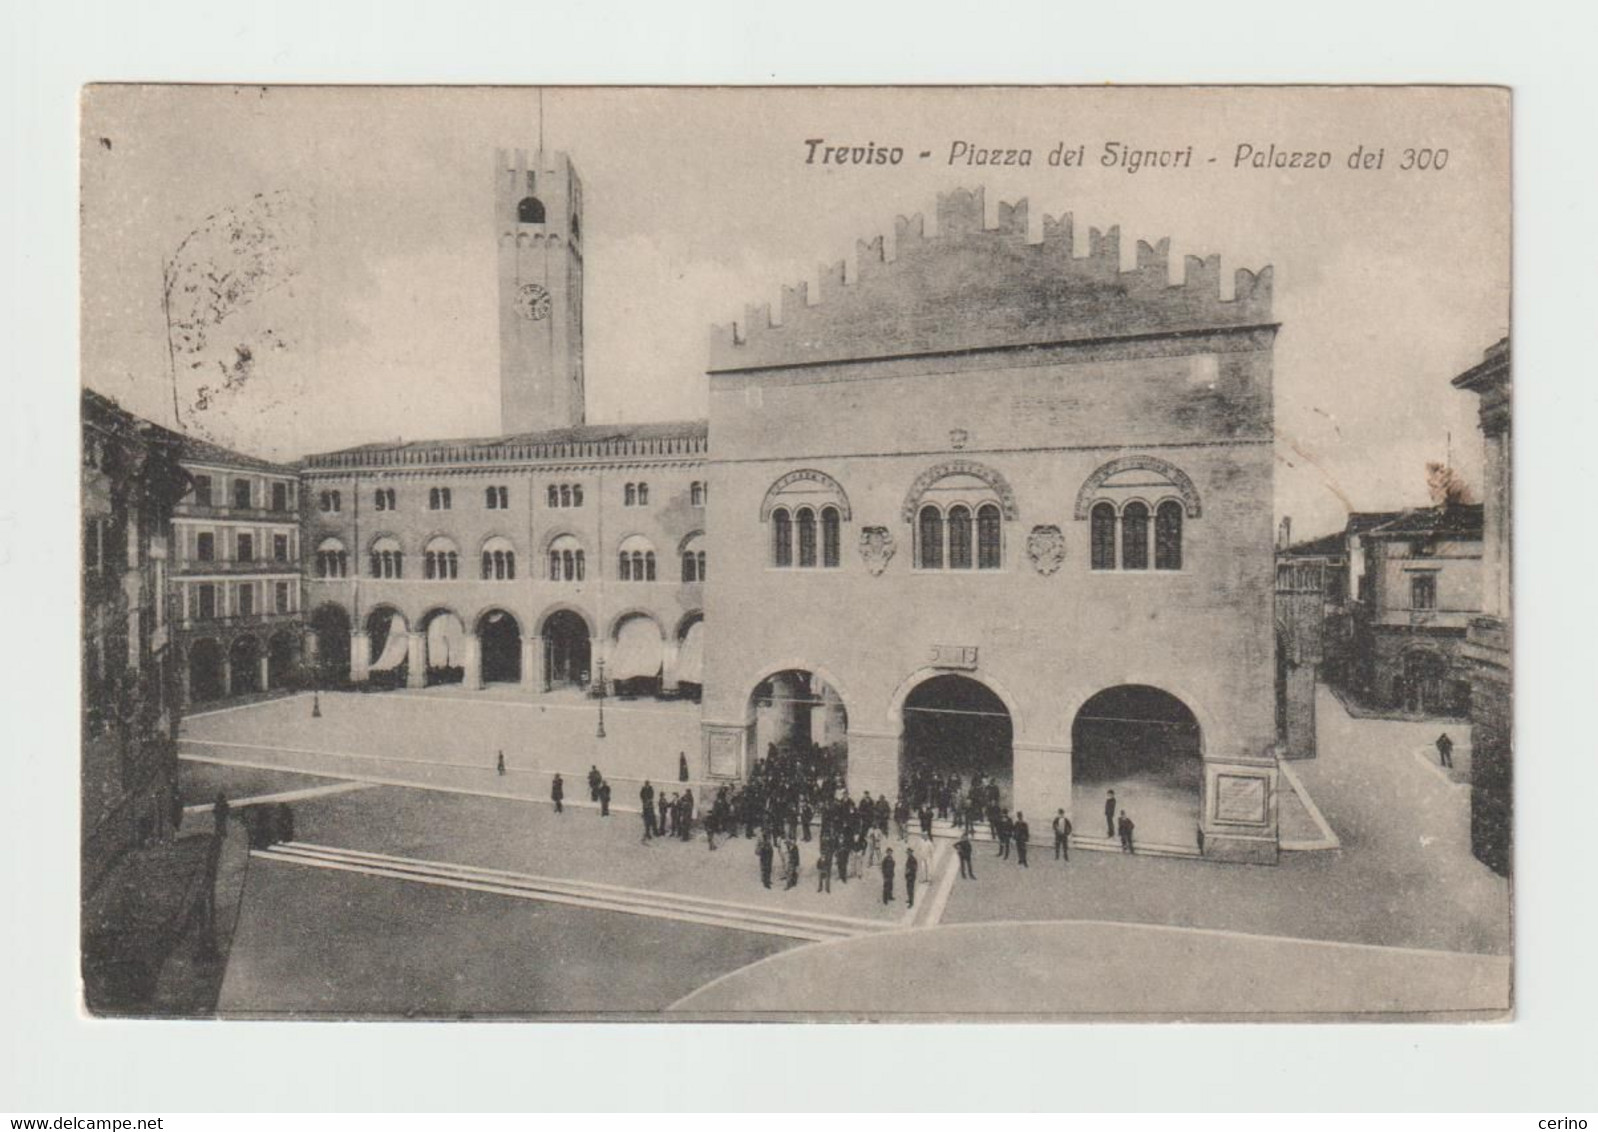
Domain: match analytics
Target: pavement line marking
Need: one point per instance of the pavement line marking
(850, 921)
(245, 707)
(1425, 756)
(940, 897)
(547, 897)
(1327, 833)
(285, 796)
(669, 902)
(983, 924)
(579, 777)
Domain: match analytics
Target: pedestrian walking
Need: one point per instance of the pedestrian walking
(594, 779)
(824, 872)
(888, 869)
(1126, 827)
(1445, 750)
(1062, 837)
(646, 803)
(793, 864)
(764, 853)
(1109, 814)
(962, 849)
(912, 869)
(500, 764)
(557, 793)
(1022, 835)
(604, 799)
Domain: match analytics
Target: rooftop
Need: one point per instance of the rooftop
(194, 450)
(1324, 547)
(1451, 520)
(659, 438)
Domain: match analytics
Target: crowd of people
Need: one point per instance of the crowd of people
(798, 812)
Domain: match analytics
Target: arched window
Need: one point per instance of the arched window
(693, 558)
(929, 538)
(696, 494)
(643, 495)
(1103, 537)
(807, 537)
(959, 537)
(630, 495)
(577, 495)
(530, 211)
(1168, 536)
(553, 496)
(636, 560)
(781, 538)
(566, 560)
(990, 553)
(499, 560)
(387, 560)
(331, 559)
(565, 495)
(440, 560)
(1135, 536)
(830, 548)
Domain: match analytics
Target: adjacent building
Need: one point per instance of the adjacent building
(1488, 647)
(235, 574)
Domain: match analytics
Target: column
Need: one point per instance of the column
(227, 671)
(533, 663)
(416, 660)
(472, 665)
(668, 665)
(360, 657)
(185, 692)
(266, 667)
(313, 648)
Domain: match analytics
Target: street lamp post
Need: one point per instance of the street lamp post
(600, 732)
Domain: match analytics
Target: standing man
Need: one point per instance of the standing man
(806, 816)
(594, 779)
(1109, 815)
(1003, 827)
(1126, 827)
(1022, 835)
(764, 852)
(911, 868)
(500, 764)
(1445, 751)
(888, 869)
(685, 823)
(682, 766)
(557, 793)
(646, 802)
(793, 864)
(824, 870)
(604, 799)
(1062, 837)
(844, 845)
(962, 849)
(662, 809)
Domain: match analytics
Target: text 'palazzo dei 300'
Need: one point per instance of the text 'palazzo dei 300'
(983, 507)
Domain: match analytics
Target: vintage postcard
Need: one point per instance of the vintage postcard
(923, 554)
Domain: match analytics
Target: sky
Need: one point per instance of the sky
(372, 311)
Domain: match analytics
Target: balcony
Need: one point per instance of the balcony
(239, 621)
(231, 566)
(189, 509)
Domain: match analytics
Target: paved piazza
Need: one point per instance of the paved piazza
(536, 913)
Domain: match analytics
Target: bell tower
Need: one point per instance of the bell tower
(538, 208)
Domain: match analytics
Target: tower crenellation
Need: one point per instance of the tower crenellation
(970, 270)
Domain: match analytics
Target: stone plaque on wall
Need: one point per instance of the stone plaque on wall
(723, 755)
(954, 656)
(1241, 798)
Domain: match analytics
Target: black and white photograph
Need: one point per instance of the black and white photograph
(933, 555)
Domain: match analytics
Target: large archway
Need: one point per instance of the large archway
(500, 637)
(1146, 745)
(205, 671)
(332, 627)
(638, 656)
(800, 718)
(955, 726)
(567, 651)
(446, 647)
(388, 645)
(282, 654)
(244, 662)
